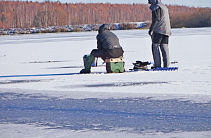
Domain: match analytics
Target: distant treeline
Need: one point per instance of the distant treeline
(19, 14)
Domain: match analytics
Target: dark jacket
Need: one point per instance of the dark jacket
(108, 42)
(160, 18)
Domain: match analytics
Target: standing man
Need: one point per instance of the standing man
(107, 47)
(160, 30)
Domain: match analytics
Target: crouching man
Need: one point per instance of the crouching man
(107, 47)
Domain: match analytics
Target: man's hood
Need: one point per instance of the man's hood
(155, 1)
(104, 27)
(154, 4)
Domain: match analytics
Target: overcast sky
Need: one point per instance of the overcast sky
(195, 3)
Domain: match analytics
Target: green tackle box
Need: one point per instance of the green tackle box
(114, 65)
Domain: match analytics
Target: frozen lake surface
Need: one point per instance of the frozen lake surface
(42, 94)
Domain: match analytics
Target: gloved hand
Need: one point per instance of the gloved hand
(150, 32)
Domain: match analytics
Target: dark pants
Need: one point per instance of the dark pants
(160, 43)
(111, 53)
(160, 39)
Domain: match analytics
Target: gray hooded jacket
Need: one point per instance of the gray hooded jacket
(160, 18)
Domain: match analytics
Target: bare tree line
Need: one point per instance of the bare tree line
(18, 14)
